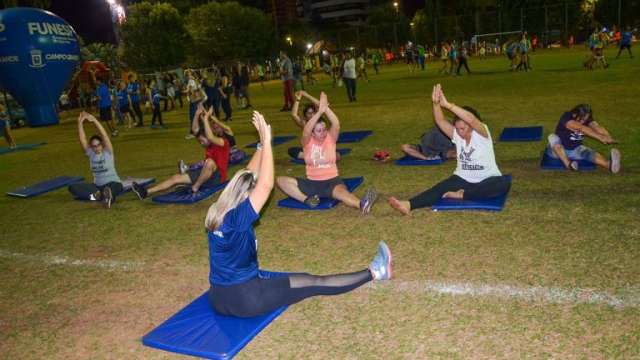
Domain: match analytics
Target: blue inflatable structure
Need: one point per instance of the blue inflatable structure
(38, 54)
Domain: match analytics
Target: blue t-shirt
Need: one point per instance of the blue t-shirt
(134, 92)
(123, 99)
(105, 96)
(570, 139)
(626, 38)
(233, 249)
(155, 95)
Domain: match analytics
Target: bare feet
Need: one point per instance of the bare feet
(401, 206)
(454, 194)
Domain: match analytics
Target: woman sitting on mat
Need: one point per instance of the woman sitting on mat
(322, 180)
(307, 113)
(106, 184)
(434, 145)
(236, 287)
(214, 169)
(477, 176)
(566, 143)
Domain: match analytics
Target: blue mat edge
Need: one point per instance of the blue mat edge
(363, 134)
(358, 179)
(73, 180)
(20, 147)
(158, 199)
(272, 316)
(408, 160)
(584, 165)
(537, 137)
(442, 205)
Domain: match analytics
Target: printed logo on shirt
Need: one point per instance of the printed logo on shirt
(576, 136)
(318, 157)
(218, 233)
(466, 161)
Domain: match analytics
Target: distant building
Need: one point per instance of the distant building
(352, 12)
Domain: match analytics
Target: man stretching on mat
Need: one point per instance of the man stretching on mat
(434, 145)
(106, 182)
(214, 170)
(322, 180)
(308, 111)
(477, 175)
(566, 143)
(236, 287)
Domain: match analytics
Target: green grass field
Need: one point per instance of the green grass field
(560, 266)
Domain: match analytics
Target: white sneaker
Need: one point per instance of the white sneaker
(189, 137)
(614, 165)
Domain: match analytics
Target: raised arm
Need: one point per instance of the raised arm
(264, 185)
(308, 127)
(227, 128)
(103, 133)
(210, 135)
(81, 134)
(334, 130)
(438, 114)
(463, 114)
(294, 110)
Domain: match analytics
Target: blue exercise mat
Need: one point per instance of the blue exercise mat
(197, 330)
(45, 186)
(411, 161)
(6, 150)
(184, 195)
(342, 152)
(277, 140)
(353, 136)
(550, 163)
(325, 203)
(493, 204)
(528, 133)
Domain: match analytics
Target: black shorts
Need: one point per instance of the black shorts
(125, 109)
(105, 114)
(625, 46)
(194, 174)
(322, 188)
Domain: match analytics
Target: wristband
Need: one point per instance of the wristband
(259, 146)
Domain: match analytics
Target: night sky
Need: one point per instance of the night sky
(90, 18)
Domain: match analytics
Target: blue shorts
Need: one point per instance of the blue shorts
(579, 153)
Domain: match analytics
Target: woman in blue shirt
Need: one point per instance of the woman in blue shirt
(236, 287)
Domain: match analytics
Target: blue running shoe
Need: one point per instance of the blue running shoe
(381, 266)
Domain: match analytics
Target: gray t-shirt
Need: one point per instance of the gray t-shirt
(102, 167)
(286, 68)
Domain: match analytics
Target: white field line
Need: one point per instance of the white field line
(628, 297)
(109, 265)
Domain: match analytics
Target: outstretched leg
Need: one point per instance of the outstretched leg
(289, 186)
(341, 193)
(413, 151)
(208, 168)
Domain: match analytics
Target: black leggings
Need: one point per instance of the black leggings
(156, 115)
(488, 188)
(259, 296)
(138, 112)
(83, 191)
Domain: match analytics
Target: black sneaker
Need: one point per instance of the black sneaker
(107, 197)
(139, 190)
(312, 201)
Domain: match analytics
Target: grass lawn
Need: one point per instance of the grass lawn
(560, 266)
